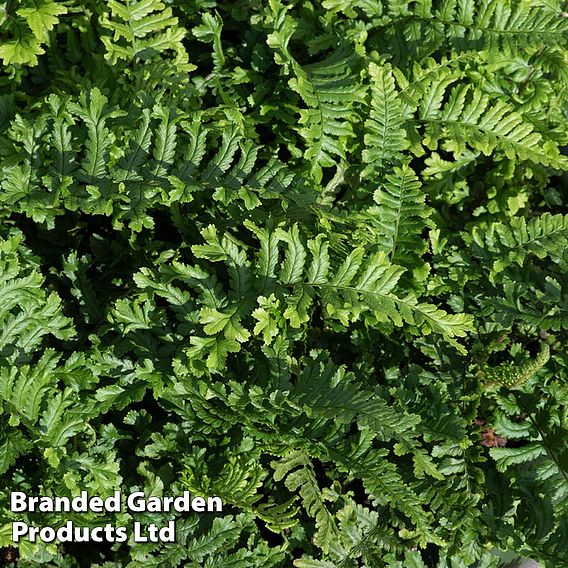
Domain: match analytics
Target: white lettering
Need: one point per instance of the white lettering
(47, 534)
(214, 501)
(66, 532)
(61, 504)
(80, 504)
(138, 533)
(182, 504)
(112, 504)
(32, 532)
(96, 505)
(95, 534)
(19, 529)
(198, 504)
(154, 505)
(121, 534)
(45, 505)
(135, 503)
(18, 501)
(167, 501)
(168, 533)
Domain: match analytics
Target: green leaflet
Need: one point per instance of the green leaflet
(28, 312)
(24, 390)
(300, 477)
(330, 90)
(157, 159)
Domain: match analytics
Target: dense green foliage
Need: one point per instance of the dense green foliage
(310, 257)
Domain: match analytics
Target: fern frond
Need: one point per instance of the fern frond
(278, 517)
(488, 24)
(472, 119)
(63, 161)
(297, 472)
(224, 532)
(398, 220)
(142, 28)
(28, 313)
(61, 419)
(543, 306)
(543, 236)
(12, 444)
(384, 485)
(237, 482)
(490, 18)
(235, 171)
(131, 163)
(324, 390)
(210, 32)
(357, 287)
(21, 179)
(330, 89)
(512, 376)
(25, 389)
(93, 110)
(25, 31)
(385, 137)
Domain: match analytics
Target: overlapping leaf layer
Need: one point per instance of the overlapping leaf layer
(310, 257)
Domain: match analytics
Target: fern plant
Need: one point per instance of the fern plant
(310, 258)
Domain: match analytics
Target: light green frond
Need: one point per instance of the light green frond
(24, 389)
(489, 24)
(28, 313)
(331, 91)
(471, 119)
(93, 110)
(514, 242)
(237, 482)
(25, 33)
(140, 29)
(385, 137)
